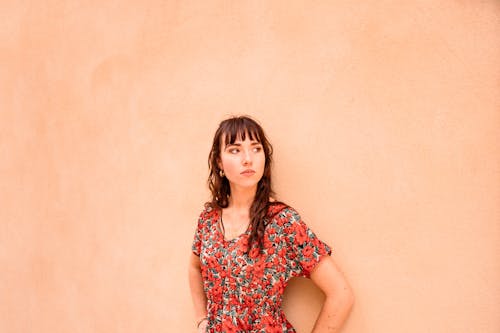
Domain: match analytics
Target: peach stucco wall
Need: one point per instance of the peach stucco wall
(385, 118)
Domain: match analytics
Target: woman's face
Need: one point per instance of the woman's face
(243, 162)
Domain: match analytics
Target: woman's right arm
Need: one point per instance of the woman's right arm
(197, 292)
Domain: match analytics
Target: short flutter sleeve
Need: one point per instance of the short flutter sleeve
(305, 249)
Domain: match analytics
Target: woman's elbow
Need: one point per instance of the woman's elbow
(345, 296)
(349, 298)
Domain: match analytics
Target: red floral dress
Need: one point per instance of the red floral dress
(244, 291)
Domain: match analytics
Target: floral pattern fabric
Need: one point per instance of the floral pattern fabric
(244, 290)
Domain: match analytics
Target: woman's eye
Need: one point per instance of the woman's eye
(233, 151)
(257, 149)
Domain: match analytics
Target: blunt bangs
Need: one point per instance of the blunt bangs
(238, 129)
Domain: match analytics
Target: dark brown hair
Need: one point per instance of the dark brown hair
(230, 130)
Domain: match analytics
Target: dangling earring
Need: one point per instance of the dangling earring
(221, 173)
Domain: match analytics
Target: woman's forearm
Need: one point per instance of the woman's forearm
(334, 313)
(197, 293)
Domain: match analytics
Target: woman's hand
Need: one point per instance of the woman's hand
(197, 293)
(203, 326)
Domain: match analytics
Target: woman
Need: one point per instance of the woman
(247, 245)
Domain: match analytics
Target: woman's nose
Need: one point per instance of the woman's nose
(247, 158)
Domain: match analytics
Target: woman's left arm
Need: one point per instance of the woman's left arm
(339, 296)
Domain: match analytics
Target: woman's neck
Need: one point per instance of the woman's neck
(242, 199)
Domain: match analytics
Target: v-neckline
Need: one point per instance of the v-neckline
(219, 230)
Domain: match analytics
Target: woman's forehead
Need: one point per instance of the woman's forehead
(230, 138)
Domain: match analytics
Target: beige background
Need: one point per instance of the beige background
(385, 119)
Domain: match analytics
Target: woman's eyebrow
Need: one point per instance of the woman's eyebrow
(254, 143)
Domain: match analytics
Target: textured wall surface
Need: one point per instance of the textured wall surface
(384, 116)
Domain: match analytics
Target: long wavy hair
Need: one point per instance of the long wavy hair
(230, 130)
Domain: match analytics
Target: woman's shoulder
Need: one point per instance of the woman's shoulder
(281, 211)
(277, 206)
(208, 213)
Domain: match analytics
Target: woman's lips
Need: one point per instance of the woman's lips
(248, 173)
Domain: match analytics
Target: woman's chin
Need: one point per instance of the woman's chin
(245, 185)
